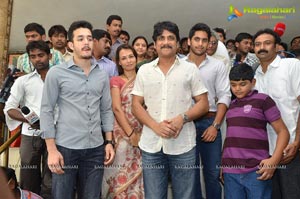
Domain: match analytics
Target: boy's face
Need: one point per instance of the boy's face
(241, 88)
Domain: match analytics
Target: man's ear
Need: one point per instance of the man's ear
(50, 56)
(12, 184)
(70, 44)
(44, 37)
(253, 82)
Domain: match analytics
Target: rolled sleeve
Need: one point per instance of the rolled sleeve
(223, 86)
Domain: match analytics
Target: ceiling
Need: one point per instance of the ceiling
(139, 16)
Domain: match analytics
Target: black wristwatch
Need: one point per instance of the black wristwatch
(185, 118)
(109, 142)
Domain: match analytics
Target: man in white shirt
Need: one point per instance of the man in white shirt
(167, 86)
(279, 78)
(27, 91)
(214, 75)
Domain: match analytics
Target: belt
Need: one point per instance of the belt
(209, 115)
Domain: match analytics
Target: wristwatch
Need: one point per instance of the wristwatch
(216, 126)
(185, 118)
(109, 142)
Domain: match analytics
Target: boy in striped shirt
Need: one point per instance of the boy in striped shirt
(246, 164)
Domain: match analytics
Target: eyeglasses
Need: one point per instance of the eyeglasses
(213, 43)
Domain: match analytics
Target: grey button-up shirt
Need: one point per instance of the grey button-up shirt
(84, 106)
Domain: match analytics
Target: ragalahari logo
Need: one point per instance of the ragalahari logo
(233, 13)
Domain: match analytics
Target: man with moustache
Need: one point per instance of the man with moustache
(58, 37)
(27, 91)
(76, 148)
(114, 26)
(101, 47)
(163, 97)
(279, 78)
(214, 75)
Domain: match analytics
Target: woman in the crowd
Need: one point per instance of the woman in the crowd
(123, 179)
(140, 44)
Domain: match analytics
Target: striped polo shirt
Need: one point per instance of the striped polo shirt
(246, 142)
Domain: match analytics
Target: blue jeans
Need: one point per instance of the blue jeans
(157, 167)
(83, 172)
(210, 154)
(246, 186)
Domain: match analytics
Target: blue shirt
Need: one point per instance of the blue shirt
(108, 66)
(84, 104)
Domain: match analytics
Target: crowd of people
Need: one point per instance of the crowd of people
(126, 121)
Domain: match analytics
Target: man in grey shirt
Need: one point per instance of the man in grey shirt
(77, 151)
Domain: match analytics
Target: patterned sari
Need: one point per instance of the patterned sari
(123, 179)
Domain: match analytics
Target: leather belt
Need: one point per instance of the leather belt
(209, 115)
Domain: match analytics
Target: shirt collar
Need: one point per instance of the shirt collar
(246, 97)
(70, 63)
(155, 62)
(274, 64)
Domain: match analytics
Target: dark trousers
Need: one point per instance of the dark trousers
(35, 175)
(286, 180)
(83, 170)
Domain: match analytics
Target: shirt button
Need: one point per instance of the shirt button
(91, 132)
(88, 106)
(87, 93)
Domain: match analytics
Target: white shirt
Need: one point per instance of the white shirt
(165, 97)
(281, 82)
(26, 91)
(222, 55)
(215, 77)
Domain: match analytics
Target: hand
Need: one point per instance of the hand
(209, 134)
(135, 138)
(109, 154)
(177, 123)
(267, 168)
(165, 129)
(18, 74)
(56, 162)
(221, 177)
(35, 126)
(289, 153)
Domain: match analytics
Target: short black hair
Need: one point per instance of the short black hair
(269, 32)
(41, 45)
(165, 25)
(140, 37)
(151, 44)
(241, 72)
(57, 29)
(182, 40)
(34, 27)
(124, 32)
(113, 17)
(10, 174)
(284, 45)
(121, 47)
(78, 24)
(243, 35)
(200, 27)
(222, 31)
(99, 33)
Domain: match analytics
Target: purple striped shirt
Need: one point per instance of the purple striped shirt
(246, 142)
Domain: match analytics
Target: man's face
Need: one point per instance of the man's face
(198, 43)
(102, 46)
(212, 46)
(39, 59)
(264, 47)
(33, 36)
(296, 44)
(166, 44)
(58, 40)
(114, 28)
(124, 38)
(82, 44)
(222, 39)
(244, 46)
